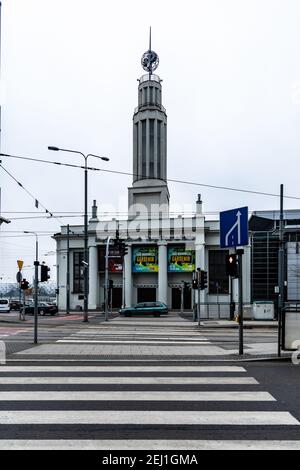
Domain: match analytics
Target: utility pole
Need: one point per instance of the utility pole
(280, 271)
(199, 294)
(182, 297)
(36, 287)
(240, 253)
(106, 279)
(68, 271)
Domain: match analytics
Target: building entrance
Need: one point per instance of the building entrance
(176, 298)
(146, 294)
(117, 297)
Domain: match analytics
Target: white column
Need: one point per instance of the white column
(93, 277)
(162, 273)
(128, 277)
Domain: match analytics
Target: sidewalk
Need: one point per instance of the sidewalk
(157, 339)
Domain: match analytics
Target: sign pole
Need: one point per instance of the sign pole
(280, 272)
(106, 279)
(182, 297)
(240, 253)
(199, 293)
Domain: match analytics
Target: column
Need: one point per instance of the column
(163, 272)
(93, 277)
(128, 277)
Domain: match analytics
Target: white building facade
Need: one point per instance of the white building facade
(163, 252)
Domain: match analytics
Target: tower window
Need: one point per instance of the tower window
(151, 144)
(137, 156)
(144, 165)
(158, 148)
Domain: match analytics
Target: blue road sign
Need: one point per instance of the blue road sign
(234, 227)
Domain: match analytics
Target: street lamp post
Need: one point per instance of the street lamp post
(36, 285)
(86, 252)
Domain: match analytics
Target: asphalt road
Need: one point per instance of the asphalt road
(144, 404)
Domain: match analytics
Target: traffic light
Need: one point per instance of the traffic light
(44, 273)
(231, 265)
(123, 249)
(203, 280)
(24, 284)
(110, 284)
(194, 284)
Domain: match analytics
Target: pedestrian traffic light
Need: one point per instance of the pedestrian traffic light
(44, 273)
(24, 284)
(203, 280)
(231, 265)
(194, 284)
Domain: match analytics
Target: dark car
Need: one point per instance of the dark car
(43, 308)
(148, 308)
(15, 304)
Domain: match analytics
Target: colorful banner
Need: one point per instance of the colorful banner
(180, 259)
(114, 260)
(145, 259)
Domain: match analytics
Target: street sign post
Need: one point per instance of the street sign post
(234, 227)
(20, 264)
(233, 234)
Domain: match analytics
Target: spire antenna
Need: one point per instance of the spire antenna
(150, 39)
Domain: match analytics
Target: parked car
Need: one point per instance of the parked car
(15, 304)
(4, 306)
(154, 308)
(43, 308)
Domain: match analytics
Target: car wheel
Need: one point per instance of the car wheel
(42, 312)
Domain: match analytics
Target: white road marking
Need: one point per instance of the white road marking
(232, 418)
(100, 341)
(130, 380)
(135, 396)
(84, 369)
(18, 444)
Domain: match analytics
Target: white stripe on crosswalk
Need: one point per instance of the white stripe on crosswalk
(84, 369)
(82, 444)
(164, 343)
(135, 396)
(173, 417)
(130, 380)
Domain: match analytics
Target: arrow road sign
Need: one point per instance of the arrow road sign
(234, 227)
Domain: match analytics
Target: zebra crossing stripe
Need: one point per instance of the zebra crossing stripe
(128, 444)
(149, 417)
(136, 396)
(82, 369)
(130, 380)
(101, 341)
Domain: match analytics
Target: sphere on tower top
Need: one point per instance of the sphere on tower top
(150, 59)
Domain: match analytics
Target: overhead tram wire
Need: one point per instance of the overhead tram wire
(51, 215)
(171, 180)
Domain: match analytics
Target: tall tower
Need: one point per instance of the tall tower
(149, 189)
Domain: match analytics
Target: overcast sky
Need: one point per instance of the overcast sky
(231, 87)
